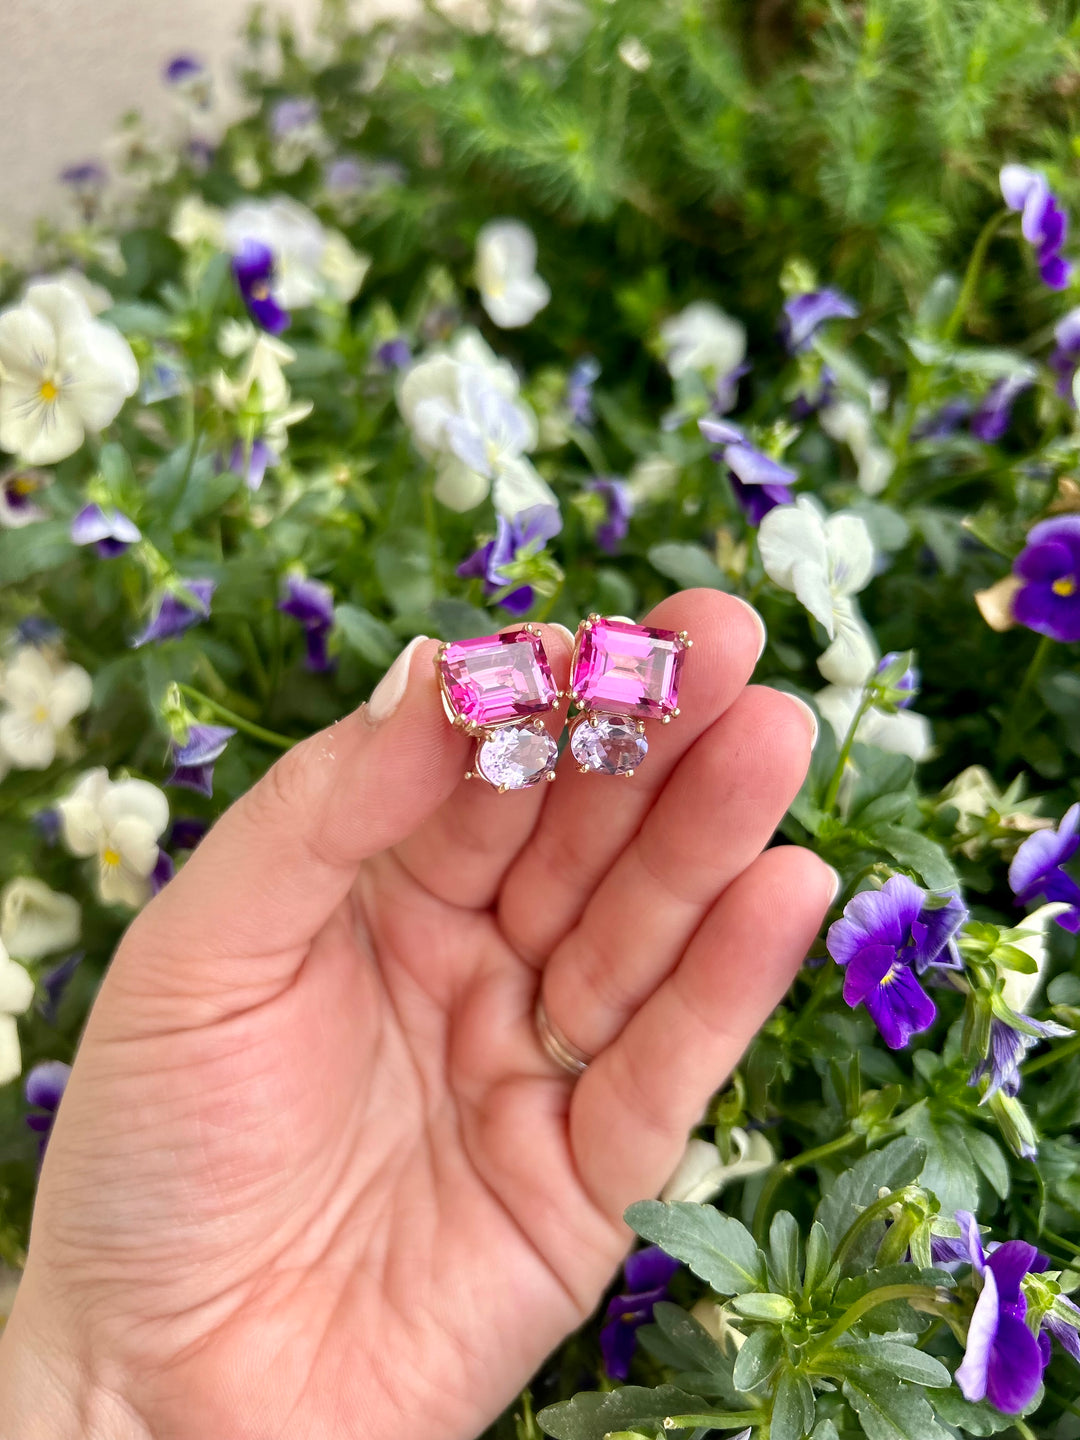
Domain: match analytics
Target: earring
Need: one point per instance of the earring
(497, 688)
(621, 675)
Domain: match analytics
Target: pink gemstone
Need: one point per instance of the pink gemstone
(497, 678)
(624, 669)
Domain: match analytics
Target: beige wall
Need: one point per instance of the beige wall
(70, 68)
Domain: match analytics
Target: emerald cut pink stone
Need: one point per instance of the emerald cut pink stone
(624, 669)
(497, 678)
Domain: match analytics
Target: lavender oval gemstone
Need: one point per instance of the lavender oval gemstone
(516, 757)
(609, 745)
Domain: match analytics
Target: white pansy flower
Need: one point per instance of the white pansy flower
(62, 373)
(654, 477)
(511, 291)
(824, 561)
(703, 338)
(96, 296)
(16, 997)
(634, 54)
(1032, 937)
(36, 921)
(311, 263)
(196, 223)
(701, 1174)
(119, 824)
(39, 700)
(262, 386)
(902, 733)
(342, 268)
(850, 423)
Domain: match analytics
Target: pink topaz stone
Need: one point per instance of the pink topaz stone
(624, 669)
(497, 678)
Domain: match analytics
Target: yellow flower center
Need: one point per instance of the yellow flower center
(41, 714)
(260, 290)
(1064, 586)
(48, 391)
(110, 857)
(890, 975)
(23, 485)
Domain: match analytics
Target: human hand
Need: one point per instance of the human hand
(314, 1176)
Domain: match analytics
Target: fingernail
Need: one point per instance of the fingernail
(390, 691)
(763, 634)
(564, 631)
(837, 883)
(811, 718)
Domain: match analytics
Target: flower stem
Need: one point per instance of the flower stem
(780, 1173)
(833, 791)
(1012, 731)
(719, 1419)
(257, 732)
(870, 1301)
(973, 273)
(867, 1217)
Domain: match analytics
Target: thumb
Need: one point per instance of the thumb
(284, 856)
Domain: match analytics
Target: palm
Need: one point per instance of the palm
(344, 1192)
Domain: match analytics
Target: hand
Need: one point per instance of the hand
(314, 1177)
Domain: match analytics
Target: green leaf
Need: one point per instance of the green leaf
(890, 1410)
(688, 565)
(676, 1339)
(592, 1416)
(887, 1357)
(717, 1248)
(916, 852)
(793, 1408)
(949, 1170)
(369, 637)
(991, 1160)
(454, 619)
(757, 1359)
(826, 1430)
(981, 1419)
(762, 1305)
(784, 1251)
(896, 1164)
(404, 571)
(818, 1258)
(33, 549)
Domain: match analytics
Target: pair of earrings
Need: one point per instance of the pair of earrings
(497, 688)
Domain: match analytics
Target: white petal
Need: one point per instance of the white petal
(519, 303)
(342, 268)
(459, 488)
(40, 432)
(435, 378)
(811, 587)
(850, 551)
(136, 800)
(28, 679)
(63, 307)
(80, 812)
(702, 337)
(876, 465)
(504, 247)
(852, 655)
(27, 345)
(793, 535)
(36, 921)
(698, 1175)
(104, 373)
(470, 348)
(10, 1053)
(1031, 936)
(837, 705)
(29, 744)
(905, 733)
(121, 885)
(16, 988)
(519, 486)
(69, 696)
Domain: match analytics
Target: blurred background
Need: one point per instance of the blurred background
(70, 68)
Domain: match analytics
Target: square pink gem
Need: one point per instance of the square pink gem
(497, 678)
(624, 669)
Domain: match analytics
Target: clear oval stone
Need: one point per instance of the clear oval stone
(516, 757)
(610, 744)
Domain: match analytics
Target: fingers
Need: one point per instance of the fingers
(588, 820)
(713, 817)
(284, 856)
(631, 1110)
(464, 850)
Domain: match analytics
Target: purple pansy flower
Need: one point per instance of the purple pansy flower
(347, 175)
(1037, 873)
(174, 613)
(531, 530)
(193, 763)
(885, 939)
(619, 502)
(395, 354)
(1067, 1336)
(17, 504)
(1049, 600)
(1065, 356)
(1044, 224)
(253, 270)
(47, 823)
(1003, 1362)
(579, 389)
(906, 686)
(291, 115)
(54, 983)
(182, 68)
(186, 832)
(163, 871)
(945, 421)
(993, 414)
(804, 314)
(1008, 1047)
(312, 603)
(86, 175)
(647, 1274)
(200, 154)
(110, 531)
(252, 461)
(759, 482)
(44, 1089)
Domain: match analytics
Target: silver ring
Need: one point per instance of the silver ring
(566, 1055)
